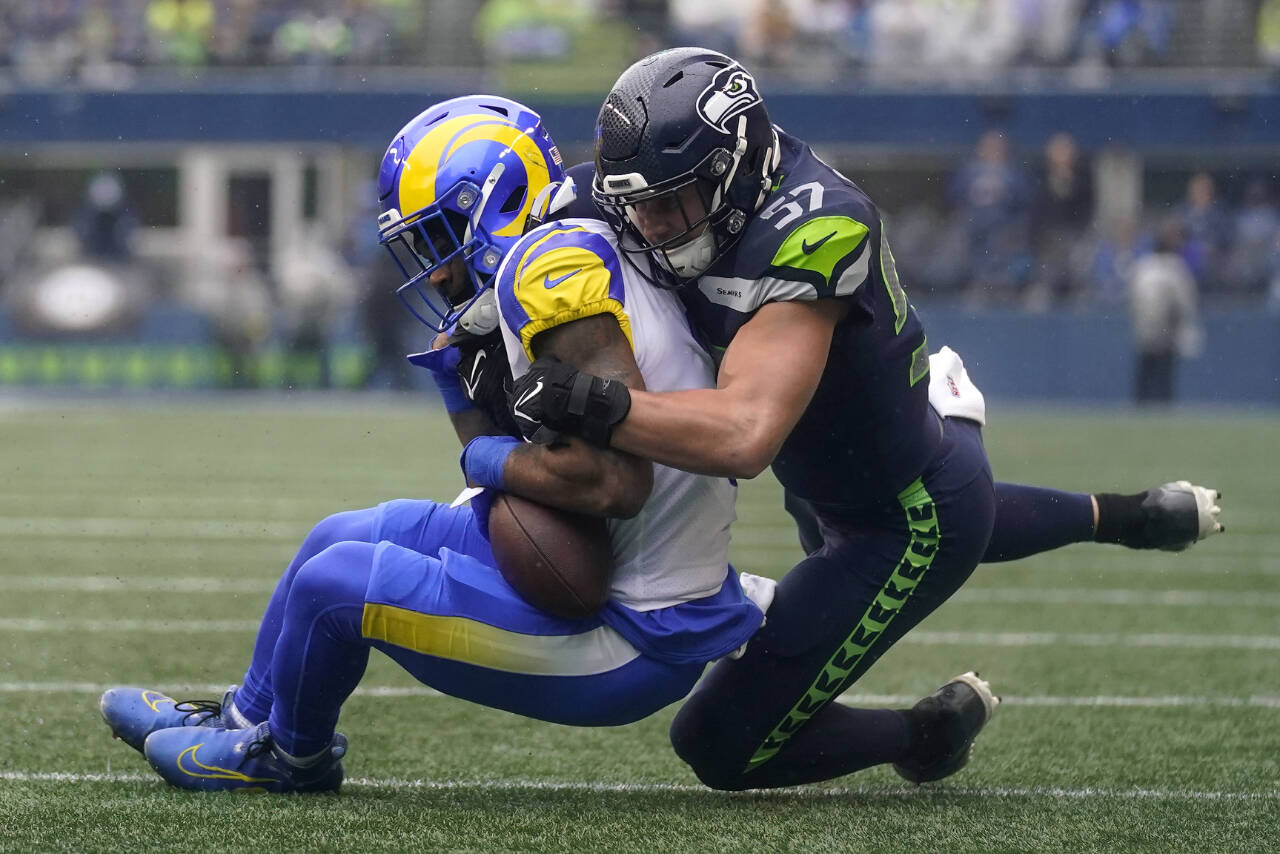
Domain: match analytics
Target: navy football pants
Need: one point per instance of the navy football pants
(768, 719)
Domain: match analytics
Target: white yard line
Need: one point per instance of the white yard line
(1145, 598)
(134, 584)
(169, 529)
(394, 784)
(917, 637)
(1257, 701)
(1108, 639)
(972, 594)
(177, 626)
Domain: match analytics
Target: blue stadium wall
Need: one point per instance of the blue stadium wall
(1232, 114)
(1089, 357)
(1070, 357)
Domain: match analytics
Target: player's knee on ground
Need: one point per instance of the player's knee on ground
(698, 736)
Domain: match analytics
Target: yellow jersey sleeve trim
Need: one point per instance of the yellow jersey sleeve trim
(586, 309)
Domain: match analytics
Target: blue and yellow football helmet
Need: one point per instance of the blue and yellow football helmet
(459, 185)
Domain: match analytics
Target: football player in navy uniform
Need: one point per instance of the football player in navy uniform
(460, 186)
(788, 278)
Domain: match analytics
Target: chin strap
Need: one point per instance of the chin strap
(552, 198)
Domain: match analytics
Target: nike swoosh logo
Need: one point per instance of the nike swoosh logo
(549, 283)
(525, 398)
(809, 248)
(154, 698)
(474, 380)
(211, 772)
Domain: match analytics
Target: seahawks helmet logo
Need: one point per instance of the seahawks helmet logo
(730, 94)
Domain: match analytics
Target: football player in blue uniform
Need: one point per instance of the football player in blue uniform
(787, 276)
(460, 185)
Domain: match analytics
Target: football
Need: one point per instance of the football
(558, 561)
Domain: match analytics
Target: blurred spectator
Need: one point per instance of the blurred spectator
(1166, 323)
(1269, 32)
(179, 31)
(385, 322)
(990, 195)
(650, 20)
(811, 39)
(514, 30)
(1117, 250)
(768, 35)
(929, 38)
(316, 291)
(228, 287)
(559, 46)
(707, 23)
(19, 219)
(1273, 289)
(1061, 213)
(930, 250)
(45, 42)
(1133, 32)
(104, 224)
(1051, 29)
(1253, 242)
(899, 31)
(1207, 230)
(312, 39)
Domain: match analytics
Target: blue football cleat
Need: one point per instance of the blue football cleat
(245, 760)
(135, 713)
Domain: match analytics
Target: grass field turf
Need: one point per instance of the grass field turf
(140, 541)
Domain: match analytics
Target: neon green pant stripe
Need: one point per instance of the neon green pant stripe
(922, 521)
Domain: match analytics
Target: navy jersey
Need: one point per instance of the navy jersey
(869, 430)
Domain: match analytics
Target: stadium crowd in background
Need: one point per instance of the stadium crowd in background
(1015, 231)
(105, 40)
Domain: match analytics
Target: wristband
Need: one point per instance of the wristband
(442, 363)
(484, 457)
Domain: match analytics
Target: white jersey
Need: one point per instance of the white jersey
(677, 548)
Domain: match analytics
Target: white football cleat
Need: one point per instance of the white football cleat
(1180, 514)
(944, 726)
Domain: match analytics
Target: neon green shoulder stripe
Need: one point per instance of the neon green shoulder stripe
(820, 243)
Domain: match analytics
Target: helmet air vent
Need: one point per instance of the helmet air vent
(513, 200)
(673, 80)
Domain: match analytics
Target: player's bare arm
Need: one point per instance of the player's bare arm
(575, 475)
(470, 423)
(766, 380)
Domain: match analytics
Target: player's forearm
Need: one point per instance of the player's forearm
(707, 431)
(470, 423)
(580, 478)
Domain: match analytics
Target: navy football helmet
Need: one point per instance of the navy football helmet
(684, 136)
(459, 185)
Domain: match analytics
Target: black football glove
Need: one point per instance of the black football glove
(554, 398)
(485, 375)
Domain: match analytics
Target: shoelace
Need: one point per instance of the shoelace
(195, 707)
(260, 745)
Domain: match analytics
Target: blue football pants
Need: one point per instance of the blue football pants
(415, 579)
